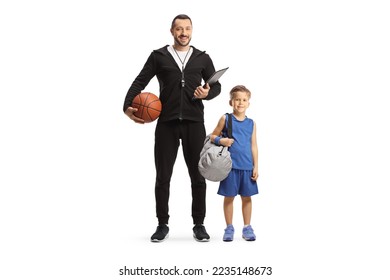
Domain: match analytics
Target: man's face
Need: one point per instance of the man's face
(182, 32)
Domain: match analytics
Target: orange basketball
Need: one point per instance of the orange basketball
(148, 105)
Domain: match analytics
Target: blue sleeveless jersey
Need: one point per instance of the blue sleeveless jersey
(241, 150)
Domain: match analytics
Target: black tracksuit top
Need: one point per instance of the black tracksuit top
(177, 101)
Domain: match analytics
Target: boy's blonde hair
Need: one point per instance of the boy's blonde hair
(239, 88)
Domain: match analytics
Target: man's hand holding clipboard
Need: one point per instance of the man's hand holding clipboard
(213, 79)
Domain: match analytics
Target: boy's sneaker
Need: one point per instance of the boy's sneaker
(248, 234)
(161, 233)
(200, 233)
(229, 233)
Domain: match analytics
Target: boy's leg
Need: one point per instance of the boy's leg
(228, 212)
(246, 209)
(228, 209)
(247, 231)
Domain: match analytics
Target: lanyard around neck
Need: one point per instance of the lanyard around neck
(182, 65)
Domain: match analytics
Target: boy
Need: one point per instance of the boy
(243, 150)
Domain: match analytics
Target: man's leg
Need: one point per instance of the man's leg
(165, 151)
(193, 135)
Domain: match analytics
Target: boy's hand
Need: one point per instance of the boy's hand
(255, 175)
(227, 142)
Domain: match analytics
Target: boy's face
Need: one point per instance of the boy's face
(240, 102)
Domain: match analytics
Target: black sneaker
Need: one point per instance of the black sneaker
(200, 233)
(161, 233)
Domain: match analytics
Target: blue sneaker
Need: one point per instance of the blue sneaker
(229, 233)
(248, 234)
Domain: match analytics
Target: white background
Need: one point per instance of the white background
(77, 176)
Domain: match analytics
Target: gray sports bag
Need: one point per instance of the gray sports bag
(215, 162)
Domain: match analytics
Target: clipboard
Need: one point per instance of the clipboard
(215, 77)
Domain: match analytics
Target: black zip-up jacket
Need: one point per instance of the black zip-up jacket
(177, 101)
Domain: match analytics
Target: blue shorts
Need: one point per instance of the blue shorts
(238, 182)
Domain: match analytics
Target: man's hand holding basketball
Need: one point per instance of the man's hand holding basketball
(130, 113)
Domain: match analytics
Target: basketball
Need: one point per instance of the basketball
(148, 105)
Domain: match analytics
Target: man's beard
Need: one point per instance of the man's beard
(181, 44)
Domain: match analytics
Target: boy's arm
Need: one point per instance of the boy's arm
(227, 142)
(255, 172)
(218, 130)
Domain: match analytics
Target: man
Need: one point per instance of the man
(180, 69)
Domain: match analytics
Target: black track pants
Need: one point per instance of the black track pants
(167, 142)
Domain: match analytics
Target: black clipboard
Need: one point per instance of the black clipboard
(215, 77)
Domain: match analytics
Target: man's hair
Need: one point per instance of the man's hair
(181, 16)
(239, 88)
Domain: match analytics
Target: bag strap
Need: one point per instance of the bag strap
(229, 126)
